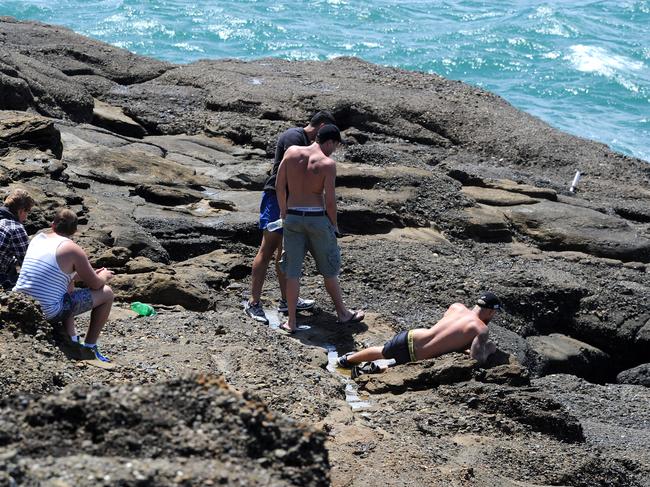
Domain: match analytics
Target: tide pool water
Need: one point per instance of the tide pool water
(582, 66)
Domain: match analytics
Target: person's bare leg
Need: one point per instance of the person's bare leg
(334, 290)
(282, 279)
(68, 326)
(102, 303)
(293, 289)
(366, 355)
(270, 242)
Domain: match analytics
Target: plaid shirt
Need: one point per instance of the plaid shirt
(13, 245)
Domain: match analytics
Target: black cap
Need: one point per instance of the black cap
(489, 300)
(328, 132)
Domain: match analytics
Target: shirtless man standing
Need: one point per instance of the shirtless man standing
(270, 211)
(459, 327)
(307, 175)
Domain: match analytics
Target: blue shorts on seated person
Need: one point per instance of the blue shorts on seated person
(269, 210)
(80, 301)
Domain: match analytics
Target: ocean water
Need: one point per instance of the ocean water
(582, 66)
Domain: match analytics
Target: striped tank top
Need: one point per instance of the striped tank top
(41, 277)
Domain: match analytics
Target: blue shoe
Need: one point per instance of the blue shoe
(97, 353)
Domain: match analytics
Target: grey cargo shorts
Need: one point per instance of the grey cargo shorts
(314, 234)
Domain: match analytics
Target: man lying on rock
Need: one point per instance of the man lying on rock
(51, 265)
(459, 328)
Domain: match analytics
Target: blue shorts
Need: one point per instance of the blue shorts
(80, 301)
(269, 210)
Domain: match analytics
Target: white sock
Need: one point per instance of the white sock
(75, 338)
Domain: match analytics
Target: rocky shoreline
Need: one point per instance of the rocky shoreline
(444, 190)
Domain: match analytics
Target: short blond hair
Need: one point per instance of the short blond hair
(19, 199)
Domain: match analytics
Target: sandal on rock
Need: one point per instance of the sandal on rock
(367, 368)
(286, 330)
(356, 317)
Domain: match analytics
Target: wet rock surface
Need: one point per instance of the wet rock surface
(444, 190)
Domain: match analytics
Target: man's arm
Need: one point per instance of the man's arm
(482, 347)
(281, 188)
(330, 195)
(93, 279)
(19, 244)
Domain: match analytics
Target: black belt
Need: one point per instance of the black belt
(306, 213)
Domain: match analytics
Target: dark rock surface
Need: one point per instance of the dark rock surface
(444, 190)
(639, 375)
(191, 425)
(557, 354)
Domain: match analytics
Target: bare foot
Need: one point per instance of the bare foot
(287, 329)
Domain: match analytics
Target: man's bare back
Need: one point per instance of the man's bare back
(454, 332)
(307, 172)
(308, 175)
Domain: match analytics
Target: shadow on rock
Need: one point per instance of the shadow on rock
(326, 332)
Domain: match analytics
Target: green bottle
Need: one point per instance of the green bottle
(143, 309)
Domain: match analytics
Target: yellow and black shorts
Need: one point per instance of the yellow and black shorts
(401, 348)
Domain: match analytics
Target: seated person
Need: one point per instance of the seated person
(13, 238)
(51, 264)
(459, 328)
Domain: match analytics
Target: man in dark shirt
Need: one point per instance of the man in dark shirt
(13, 238)
(270, 212)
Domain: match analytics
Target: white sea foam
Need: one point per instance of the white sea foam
(551, 55)
(144, 25)
(186, 46)
(123, 44)
(594, 59)
(116, 18)
(517, 41)
(222, 31)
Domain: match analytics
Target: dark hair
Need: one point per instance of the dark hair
(65, 222)
(328, 132)
(19, 199)
(322, 117)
